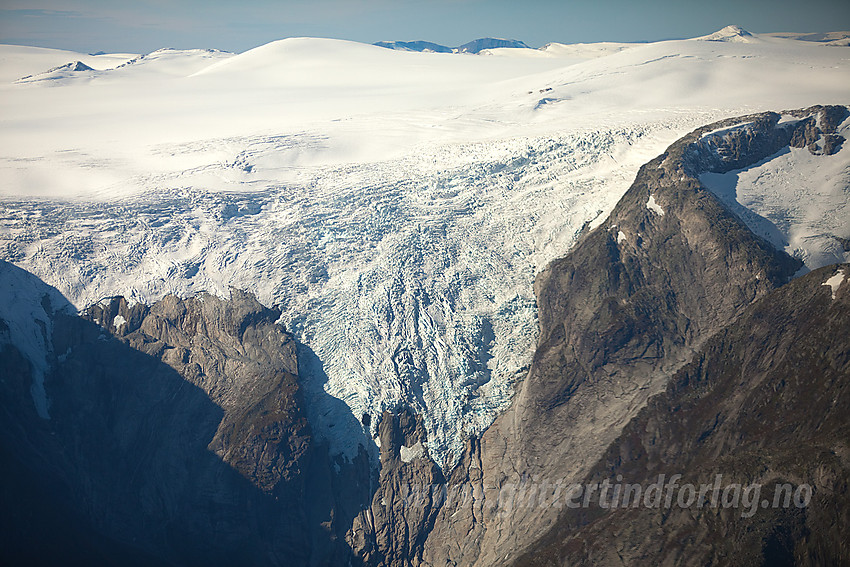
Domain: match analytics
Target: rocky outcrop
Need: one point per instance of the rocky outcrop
(236, 353)
(392, 530)
(764, 404)
(177, 432)
(73, 67)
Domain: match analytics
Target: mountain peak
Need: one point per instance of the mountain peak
(58, 72)
(730, 33)
(477, 45)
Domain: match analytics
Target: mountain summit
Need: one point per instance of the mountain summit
(477, 45)
(732, 34)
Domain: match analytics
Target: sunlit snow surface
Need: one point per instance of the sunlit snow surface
(797, 200)
(835, 281)
(396, 205)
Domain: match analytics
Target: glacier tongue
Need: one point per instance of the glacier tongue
(410, 279)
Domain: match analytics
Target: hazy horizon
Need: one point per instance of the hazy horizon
(146, 25)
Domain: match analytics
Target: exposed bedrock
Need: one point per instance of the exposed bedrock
(177, 434)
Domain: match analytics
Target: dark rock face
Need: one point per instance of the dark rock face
(177, 434)
(749, 139)
(392, 530)
(242, 360)
(77, 66)
(764, 403)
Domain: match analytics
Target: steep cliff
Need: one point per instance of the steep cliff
(175, 430)
(764, 404)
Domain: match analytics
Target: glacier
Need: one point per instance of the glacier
(396, 205)
(411, 280)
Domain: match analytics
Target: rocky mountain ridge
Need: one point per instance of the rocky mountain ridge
(764, 404)
(177, 432)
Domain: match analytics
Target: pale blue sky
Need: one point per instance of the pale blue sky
(145, 25)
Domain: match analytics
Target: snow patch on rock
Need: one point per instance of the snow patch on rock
(407, 454)
(835, 281)
(654, 207)
(796, 200)
(27, 309)
(723, 132)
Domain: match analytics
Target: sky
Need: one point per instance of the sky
(142, 26)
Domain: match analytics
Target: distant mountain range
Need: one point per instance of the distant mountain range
(727, 34)
(473, 46)
(415, 46)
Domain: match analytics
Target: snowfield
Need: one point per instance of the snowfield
(397, 205)
(796, 200)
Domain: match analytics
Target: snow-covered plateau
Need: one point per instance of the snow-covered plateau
(397, 205)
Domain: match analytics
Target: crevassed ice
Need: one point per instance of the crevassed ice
(408, 281)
